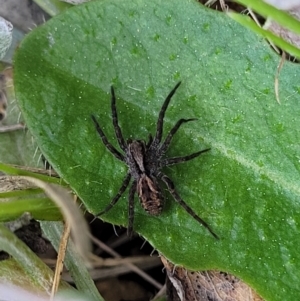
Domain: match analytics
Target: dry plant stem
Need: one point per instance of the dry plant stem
(130, 265)
(160, 294)
(11, 183)
(60, 259)
(104, 272)
(12, 128)
(47, 172)
(109, 262)
(210, 2)
(112, 262)
(223, 5)
(61, 197)
(253, 16)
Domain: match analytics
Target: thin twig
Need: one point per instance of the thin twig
(133, 267)
(12, 127)
(60, 259)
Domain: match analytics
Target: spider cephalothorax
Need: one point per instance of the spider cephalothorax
(145, 163)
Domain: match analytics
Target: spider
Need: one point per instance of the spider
(145, 162)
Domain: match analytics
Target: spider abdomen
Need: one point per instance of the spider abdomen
(150, 195)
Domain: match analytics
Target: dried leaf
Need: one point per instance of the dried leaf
(185, 285)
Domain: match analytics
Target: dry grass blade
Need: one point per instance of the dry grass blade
(132, 267)
(185, 285)
(72, 214)
(60, 259)
(11, 183)
(46, 172)
(12, 128)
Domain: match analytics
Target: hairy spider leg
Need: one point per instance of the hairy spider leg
(118, 195)
(176, 160)
(132, 192)
(117, 128)
(160, 121)
(109, 146)
(164, 147)
(181, 202)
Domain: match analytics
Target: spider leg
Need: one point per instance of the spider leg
(118, 195)
(187, 208)
(176, 160)
(173, 131)
(132, 192)
(160, 121)
(117, 128)
(109, 146)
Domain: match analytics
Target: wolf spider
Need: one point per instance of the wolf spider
(145, 162)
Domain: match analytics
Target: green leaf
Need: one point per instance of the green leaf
(13, 170)
(26, 270)
(17, 147)
(14, 201)
(246, 187)
(39, 208)
(40, 275)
